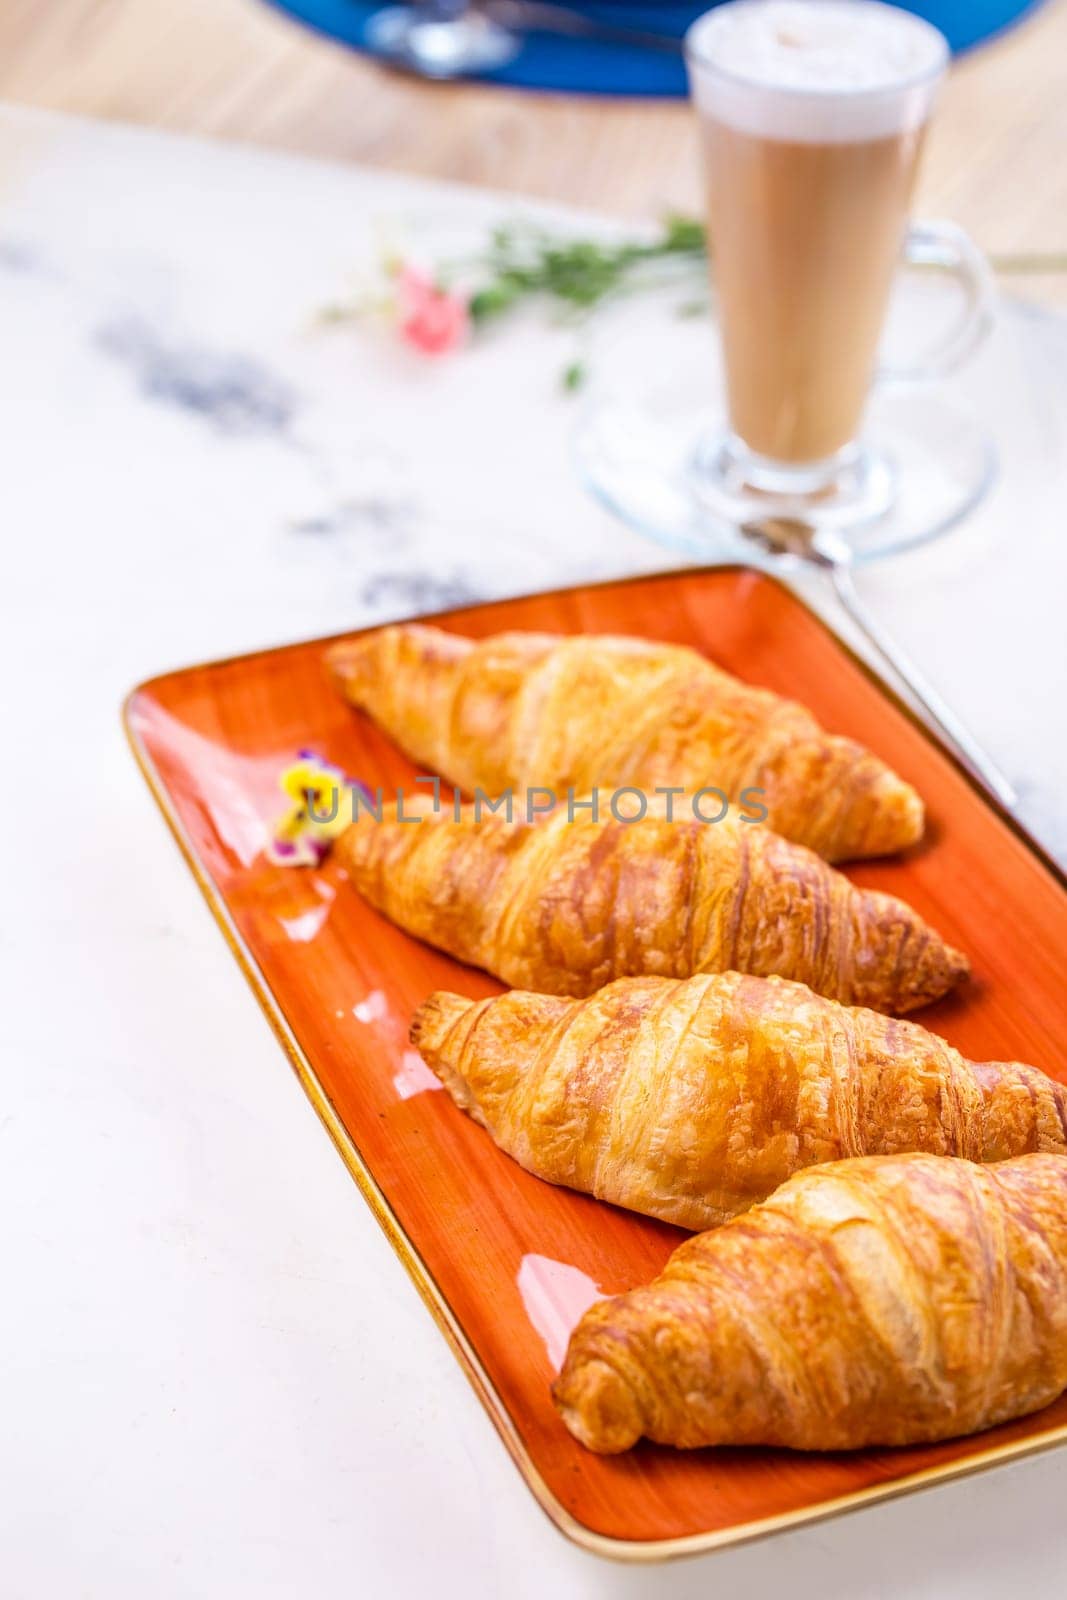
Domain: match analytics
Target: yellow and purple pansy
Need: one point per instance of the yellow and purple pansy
(321, 807)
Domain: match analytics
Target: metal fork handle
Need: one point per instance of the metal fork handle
(549, 16)
(944, 719)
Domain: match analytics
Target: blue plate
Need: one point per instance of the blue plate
(594, 66)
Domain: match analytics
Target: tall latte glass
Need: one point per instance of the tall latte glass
(812, 117)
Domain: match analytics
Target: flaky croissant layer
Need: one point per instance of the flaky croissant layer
(524, 710)
(878, 1301)
(567, 904)
(693, 1100)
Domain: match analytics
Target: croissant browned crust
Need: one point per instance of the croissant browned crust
(880, 1301)
(564, 906)
(693, 1100)
(523, 710)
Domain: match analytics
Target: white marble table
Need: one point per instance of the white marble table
(217, 1378)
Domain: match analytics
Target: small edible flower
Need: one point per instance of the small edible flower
(319, 811)
(433, 319)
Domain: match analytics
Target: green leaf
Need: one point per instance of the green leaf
(683, 234)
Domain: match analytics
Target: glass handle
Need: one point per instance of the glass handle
(944, 247)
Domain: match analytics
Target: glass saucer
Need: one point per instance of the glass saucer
(655, 420)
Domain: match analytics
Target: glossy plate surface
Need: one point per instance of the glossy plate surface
(504, 1261)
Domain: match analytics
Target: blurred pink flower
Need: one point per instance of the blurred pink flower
(433, 320)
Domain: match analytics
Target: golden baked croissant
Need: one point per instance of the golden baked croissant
(525, 710)
(565, 906)
(693, 1100)
(882, 1301)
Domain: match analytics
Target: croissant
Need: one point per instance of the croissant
(693, 1100)
(564, 906)
(524, 711)
(887, 1300)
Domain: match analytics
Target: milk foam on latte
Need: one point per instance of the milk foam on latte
(815, 70)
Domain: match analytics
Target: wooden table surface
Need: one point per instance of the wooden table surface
(237, 69)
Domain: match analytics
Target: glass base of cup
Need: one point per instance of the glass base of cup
(681, 478)
(848, 489)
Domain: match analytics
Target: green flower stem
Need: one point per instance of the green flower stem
(578, 273)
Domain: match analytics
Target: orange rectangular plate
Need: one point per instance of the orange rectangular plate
(504, 1260)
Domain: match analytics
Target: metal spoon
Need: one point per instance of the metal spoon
(445, 39)
(830, 551)
(440, 39)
